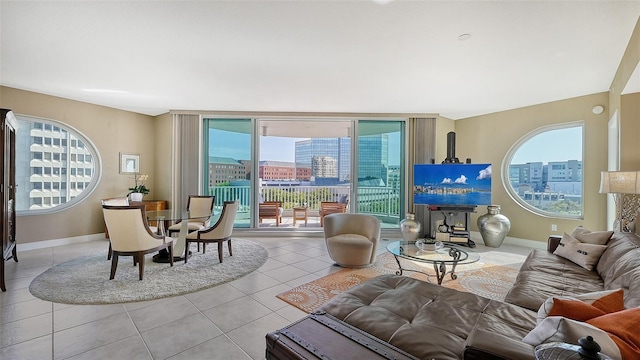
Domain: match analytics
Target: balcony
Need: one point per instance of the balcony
(381, 202)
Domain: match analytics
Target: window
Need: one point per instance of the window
(544, 171)
(35, 131)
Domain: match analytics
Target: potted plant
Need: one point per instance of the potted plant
(139, 190)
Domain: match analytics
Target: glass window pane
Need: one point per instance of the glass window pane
(548, 179)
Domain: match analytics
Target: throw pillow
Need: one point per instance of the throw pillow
(622, 327)
(583, 254)
(603, 302)
(591, 237)
(556, 328)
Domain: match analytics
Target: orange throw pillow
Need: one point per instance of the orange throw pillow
(582, 311)
(574, 310)
(622, 327)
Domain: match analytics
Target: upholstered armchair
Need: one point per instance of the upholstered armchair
(130, 235)
(352, 239)
(200, 209)
(117, 201)
(219, 233)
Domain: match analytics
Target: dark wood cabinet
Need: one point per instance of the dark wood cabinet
(8, 189)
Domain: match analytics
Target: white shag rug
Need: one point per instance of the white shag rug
(86, 280)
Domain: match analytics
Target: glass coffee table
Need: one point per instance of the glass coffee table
(440, 259)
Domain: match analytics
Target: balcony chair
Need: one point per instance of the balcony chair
(331, 207)
(200, 207)
(218, 233)
(131, 236)
(352, 239)
(270, 210)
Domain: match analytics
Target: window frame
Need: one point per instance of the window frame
(88, 145)
(506, 162)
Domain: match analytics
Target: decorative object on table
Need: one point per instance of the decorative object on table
(493, 226)
(587, 349)
(429, 244)
(139, 190)
(624, 185)
(410, 227)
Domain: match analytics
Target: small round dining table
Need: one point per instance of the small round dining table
(171, 216)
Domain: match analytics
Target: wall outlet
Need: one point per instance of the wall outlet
(554, 227)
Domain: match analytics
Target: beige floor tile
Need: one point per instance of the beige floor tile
(85, 337)
(162, 312)
(220, 347)
(236, 313)
(290, 258)
(311, 265)
(26, 329)
(268, 297)
(254, 282)
(81, 314)
(180, 335)
(24, 309)
(286, 273)
(291, 313)
(251, 337)
(36, 349)
(131, 348)
(217, 295)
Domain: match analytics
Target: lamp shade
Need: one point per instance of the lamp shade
(620, 182)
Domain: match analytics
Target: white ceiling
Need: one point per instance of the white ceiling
(315, 56)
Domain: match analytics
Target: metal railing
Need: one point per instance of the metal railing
(383, 202)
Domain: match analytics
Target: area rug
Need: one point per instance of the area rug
(490, 281)
(86, 280)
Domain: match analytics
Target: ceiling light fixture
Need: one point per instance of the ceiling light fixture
(464, 37)
(598, 109)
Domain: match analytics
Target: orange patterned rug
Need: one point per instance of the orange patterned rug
(490, 281)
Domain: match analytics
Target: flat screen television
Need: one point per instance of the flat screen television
(455, 185)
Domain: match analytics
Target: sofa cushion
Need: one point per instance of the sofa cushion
(591, 237)
(621, 256)
(560, 329)
(582, 307)
(583, 254)
(622, 327)
(543, 275)
(427, 320)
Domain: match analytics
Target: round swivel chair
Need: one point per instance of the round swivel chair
(352, 238)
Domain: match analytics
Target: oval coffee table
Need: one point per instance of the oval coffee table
(449, 255)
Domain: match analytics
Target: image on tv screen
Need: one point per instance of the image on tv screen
(452, 184)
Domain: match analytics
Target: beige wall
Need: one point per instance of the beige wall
(630, 132)
(488, 138)
(111, 131)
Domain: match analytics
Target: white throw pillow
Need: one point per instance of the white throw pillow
(591, 237)
(583, 254)
(558, 328)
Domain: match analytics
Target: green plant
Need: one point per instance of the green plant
(139, 188)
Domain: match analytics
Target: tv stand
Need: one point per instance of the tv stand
(449, 224)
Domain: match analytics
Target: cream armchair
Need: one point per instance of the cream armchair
(130, 235)
(218, 233)
(352, 239)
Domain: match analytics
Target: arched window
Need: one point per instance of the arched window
(543, 171)
(56, 166)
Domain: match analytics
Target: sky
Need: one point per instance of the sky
(545, 147)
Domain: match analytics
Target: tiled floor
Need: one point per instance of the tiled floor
(225, 322)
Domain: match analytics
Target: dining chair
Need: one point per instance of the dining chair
(131, 236)
(219, 233)
(200, 208)
(117, 201)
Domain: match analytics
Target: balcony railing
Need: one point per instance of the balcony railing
(381, 202)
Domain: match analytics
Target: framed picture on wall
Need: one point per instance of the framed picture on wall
(129, 163)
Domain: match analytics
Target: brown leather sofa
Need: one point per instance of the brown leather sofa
(432, 322)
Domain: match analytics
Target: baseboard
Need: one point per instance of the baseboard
(59, 242)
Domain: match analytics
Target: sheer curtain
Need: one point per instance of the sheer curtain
(186, 172)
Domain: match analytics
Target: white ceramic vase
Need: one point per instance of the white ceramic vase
(136, 196)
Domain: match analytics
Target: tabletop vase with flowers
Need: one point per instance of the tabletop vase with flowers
(139, 190)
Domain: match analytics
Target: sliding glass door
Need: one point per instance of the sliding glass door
(379, 163)
(228, 164)
(299, 164)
